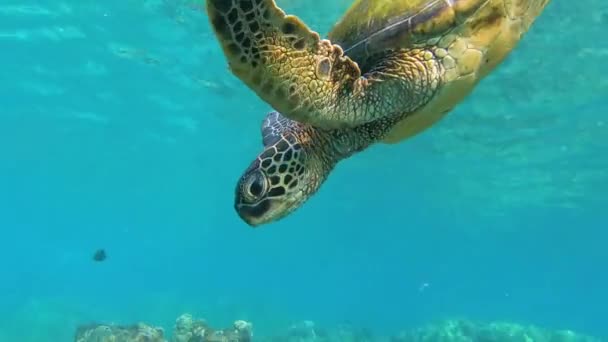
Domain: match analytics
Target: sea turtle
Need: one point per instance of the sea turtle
(388, 70)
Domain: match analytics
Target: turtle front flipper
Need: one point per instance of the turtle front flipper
(272, 127)
(311, 80)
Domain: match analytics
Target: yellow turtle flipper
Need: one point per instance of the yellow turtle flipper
(308, 79)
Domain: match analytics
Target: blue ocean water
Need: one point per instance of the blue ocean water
(121, 128)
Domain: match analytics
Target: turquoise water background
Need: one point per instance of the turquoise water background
(122, 128)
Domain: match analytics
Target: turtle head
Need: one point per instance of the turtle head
(277, 182)
(287, 172)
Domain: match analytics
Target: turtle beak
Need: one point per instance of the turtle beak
(252, 214)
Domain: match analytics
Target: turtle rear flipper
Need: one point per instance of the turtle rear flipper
(311, 80)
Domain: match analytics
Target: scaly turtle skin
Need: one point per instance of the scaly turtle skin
(390, 69)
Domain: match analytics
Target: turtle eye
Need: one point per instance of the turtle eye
(255, 186)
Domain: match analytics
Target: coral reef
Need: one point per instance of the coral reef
(190, 329)
(187, 329)
(114, 333)
(469, 331)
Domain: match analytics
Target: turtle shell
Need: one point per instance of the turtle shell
(469, 38)
(371, 26)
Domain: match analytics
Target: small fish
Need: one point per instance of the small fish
(100, 255)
